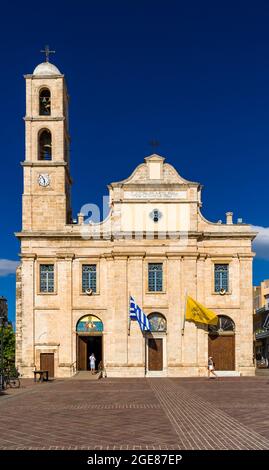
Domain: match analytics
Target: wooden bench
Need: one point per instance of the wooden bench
(43, 375)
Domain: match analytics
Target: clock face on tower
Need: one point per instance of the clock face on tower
(44, 180)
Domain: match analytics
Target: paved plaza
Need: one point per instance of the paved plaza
(182, 413)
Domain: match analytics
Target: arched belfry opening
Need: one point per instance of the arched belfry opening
(44, 145)
(44, 102)
(89, 331)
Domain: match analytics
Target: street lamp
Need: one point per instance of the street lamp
(3, 320)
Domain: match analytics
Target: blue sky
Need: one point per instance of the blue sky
(194, 75)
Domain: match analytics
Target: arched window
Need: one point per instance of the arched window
(225, 325)
(44, 102)
(157, 322)
(44, 144)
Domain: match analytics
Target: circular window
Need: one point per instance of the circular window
(155, 215)
(225, 325)
(157, 322)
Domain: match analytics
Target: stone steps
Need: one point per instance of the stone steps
(86, 375)
(227, 373)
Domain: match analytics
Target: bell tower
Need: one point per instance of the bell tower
(47, 181)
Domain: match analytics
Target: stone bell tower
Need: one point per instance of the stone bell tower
(47, 182)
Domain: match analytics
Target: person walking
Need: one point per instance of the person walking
(92, 363)
(211, 368)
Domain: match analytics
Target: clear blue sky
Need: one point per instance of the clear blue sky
(194, 75)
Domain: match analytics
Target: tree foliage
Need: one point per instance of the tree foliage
(8, 335)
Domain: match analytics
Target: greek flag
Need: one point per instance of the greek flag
(137, 314)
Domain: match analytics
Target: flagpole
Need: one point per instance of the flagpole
(129, 317)
(184, 317)
(145, 355)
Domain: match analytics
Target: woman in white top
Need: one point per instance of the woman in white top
(92, 363)
(211, 367)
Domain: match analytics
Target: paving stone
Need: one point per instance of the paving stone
(138, 414)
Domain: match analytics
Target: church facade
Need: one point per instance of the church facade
(75, 279)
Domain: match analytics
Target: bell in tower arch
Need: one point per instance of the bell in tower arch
(44, 102)
(45, 147)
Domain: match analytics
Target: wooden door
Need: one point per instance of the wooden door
(47, 363)
(82, 353)
(155, 354)
(222, 349)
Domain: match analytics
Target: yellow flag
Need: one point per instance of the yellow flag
(199, 314)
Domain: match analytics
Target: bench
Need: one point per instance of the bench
(43, 375)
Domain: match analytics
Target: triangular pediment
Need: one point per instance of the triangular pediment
(153, 172)
(154, 158)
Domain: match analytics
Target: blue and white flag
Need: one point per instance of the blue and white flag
(137, 314)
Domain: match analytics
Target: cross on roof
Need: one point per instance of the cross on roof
(154, 144)
(47, 52)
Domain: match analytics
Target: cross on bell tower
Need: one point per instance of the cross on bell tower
(47, 52)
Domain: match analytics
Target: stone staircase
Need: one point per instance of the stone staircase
(86, 375)
(227, 373)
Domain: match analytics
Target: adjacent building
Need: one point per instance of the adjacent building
(261, 324)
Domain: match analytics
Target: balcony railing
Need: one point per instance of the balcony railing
(263, 309)
(261, 333)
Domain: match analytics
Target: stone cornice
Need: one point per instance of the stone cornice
(46, 163)
(173, 255)
(120, 255)
(47, 308)
(90, 256)
(107, 256)
(148, 185)
(65, 256)
(246, 255)
(44, 119)
(136, 255)
(155, 200)
(47, 77)
(128, 235)
(223, 255)
(32, 256)
(212, 235)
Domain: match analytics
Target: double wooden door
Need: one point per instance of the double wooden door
(222, 349)
(86, 345)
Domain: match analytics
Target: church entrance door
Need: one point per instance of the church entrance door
(222, 349)
(89, 341)
(86, 345)
(155, 354)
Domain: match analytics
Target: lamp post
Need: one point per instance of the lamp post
(3, 319)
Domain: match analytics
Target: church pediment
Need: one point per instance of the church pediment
(153, 173)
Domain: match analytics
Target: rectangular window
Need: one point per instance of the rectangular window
(221, 277)
(47, 278)
(89, 277)
(155, 277)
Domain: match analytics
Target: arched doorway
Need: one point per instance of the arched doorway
(221, 343)
(89, 340)
(155, 341)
